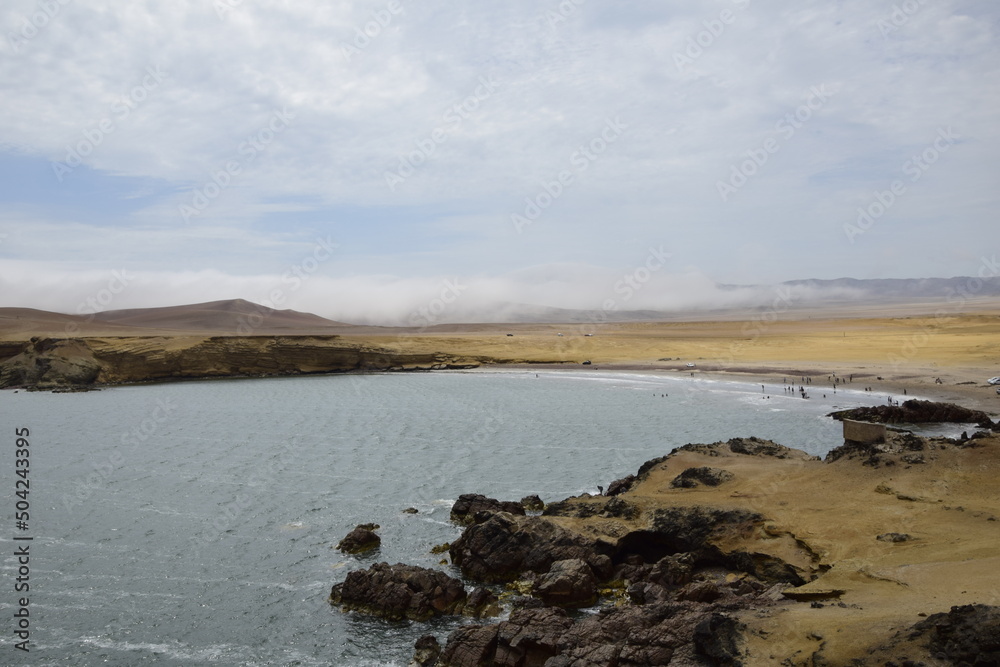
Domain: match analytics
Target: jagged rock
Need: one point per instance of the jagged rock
(687, 633)
(648, 466)
(426, 652)
(532, 504)
(504, 546)
(675, 570)
(361, 539)
(470, 646)
(718, 637)
(894, 537)
(400, 591)
(568, 583)
(758, 447)
(966, 635)
(899, 447)
(531, 636)
(915, 411)
(620, 486)
(693, 477)
(701, 591)
(469, 504)
(481, 603)
(615, 508)
(675, 530)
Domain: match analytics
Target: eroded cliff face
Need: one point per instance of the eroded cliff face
(75, 363)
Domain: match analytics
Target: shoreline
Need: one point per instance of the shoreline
(978, 396)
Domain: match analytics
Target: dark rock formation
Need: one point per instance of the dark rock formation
(532, 503)
(900, 447)
(361, 539)
(427, 650)
(662, 634)
(469, 504)
(915, 411)
(614, 508)
(894, 537)
(718, 638)
(400, 591)
(46, 363)
(620, 486)
(504, 546)
(568, 583)
(966, 635)
(758, 447)
(50, 363)
(693, 477)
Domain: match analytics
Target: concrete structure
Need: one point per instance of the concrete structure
(863, 432)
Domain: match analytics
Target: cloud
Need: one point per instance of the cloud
(164, 104)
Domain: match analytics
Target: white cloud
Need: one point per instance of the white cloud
(557, 82)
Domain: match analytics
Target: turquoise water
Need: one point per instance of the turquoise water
(192, 523)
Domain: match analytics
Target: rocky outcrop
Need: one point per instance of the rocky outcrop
(586, 506)
(915, 411)
(966, 635)
(360, 540)
(568, 583)
(427, 650)
(899, 448)
(47, 363)
(504, 546)
(400, 591)
(620, 486)
(693, 477)
(532, 503)
(661, 634)
(469, 504)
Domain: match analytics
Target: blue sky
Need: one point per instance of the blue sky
(535, 152)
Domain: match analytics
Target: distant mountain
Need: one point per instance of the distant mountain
(840, 297)
(908, 288)
(234, 316)
(230, 317)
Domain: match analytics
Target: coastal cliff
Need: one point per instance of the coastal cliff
(743, 552)
(80, 363)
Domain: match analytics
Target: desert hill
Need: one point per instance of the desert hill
(230, 317)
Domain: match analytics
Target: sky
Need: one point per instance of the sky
(366, 160)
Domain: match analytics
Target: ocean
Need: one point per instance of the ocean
(192, 523)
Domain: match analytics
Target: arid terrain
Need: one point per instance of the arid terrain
(912, 349)
(856, 592)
